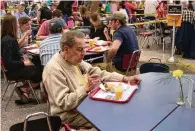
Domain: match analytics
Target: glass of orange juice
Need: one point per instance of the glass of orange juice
(38, 44)
(118, 92)
(91, 43)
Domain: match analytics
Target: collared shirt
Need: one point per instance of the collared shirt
(188, 16)
(19, 15)
(49, 47)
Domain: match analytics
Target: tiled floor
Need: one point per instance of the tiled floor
(15, 114)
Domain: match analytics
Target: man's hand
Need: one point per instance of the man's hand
(132, 79)
(93, 81)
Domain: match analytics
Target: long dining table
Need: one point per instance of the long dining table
(151, 105)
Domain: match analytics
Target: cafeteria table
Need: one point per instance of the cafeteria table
(182, 119)
(149, 106)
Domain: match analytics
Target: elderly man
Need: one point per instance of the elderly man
(21, 12)
(64, 79)
(124, 41)
(51, 44)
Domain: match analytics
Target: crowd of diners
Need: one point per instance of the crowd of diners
(66, 77)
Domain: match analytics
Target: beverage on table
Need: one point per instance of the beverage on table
(118, 91)
(38, 44)
(91, 43)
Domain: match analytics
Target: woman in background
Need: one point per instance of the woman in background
(98, 29)
(16, 67)
(84, 16)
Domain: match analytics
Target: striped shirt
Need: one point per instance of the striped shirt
(49, 47)
(188, 16)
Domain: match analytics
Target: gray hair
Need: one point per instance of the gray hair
(69, 38)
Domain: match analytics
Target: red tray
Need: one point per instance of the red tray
(92, 94)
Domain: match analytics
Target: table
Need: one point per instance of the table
(151, 103)
(182, 119)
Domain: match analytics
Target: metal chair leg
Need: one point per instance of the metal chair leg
(15, 86)
(163, 45)
(33, 92)
(5, 90)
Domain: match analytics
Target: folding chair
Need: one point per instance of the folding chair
(48, 123)
(130, 62)
(10, 81)
(154, 67)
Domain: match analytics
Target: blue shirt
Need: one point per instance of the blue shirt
(19, 15)
(129, 44)
(49, 47)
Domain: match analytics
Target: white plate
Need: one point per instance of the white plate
(31, 46)
(34, 51)
(101, 43)
(99, 49)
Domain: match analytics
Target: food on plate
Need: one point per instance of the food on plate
(109, 87)
(97, 48)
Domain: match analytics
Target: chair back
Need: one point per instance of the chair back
(49, 123)
(130, 61)
(154, 67)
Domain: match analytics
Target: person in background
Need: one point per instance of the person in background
(51, 45)
(98, 29)
(53, 6)
(132, 8)
(150, 9)
(108, 7)
(34, 11)
(44, 13)
(113, 6)
(17, 68)
(2, 9)
(66, 8)
(124, 41)
(84, 16)
(161, 10)
(20, 13)
(43, 31)
(141, 5)
(68, 79)
(24, 32)
(185, 36)
(121, 8)
(101, 8)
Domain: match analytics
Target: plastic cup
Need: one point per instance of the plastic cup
(91, 43)
(38, 44)
(118, 93)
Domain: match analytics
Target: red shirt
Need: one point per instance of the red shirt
(131, 6)
(44, 29)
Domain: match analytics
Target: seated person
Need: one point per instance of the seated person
(84, 16)
(20, 13)
(98, 29)
(65, 81)
(124, 41)
(16, 67)
(44, 13)
(24, 32)
(43, 31)
(51, 45)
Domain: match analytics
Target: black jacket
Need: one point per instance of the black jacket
(10, 54)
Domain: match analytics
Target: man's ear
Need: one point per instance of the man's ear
(65, 49)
